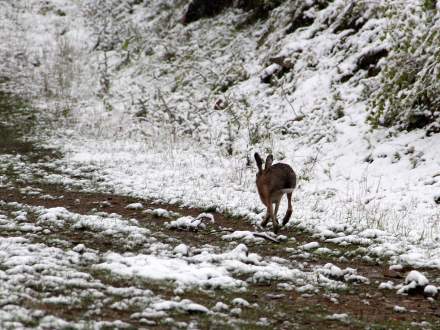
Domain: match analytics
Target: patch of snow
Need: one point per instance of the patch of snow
(399, 309)
(240, 302)
(182, 249)
(430, 290)
(310, 246)
(389, 285)
(343, 317)
(135, 206)
(220, 307)
(191, 223)
(417, 277)
(246, 236)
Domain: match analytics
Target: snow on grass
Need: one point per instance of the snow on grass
(182, 249)
(356, 186)
(27, 266)
(343, 317)
(244, 235)
(161, 213)
(220, 307)
(64, 272)
(413, 281)
(191, 223)
(310, 246)
(185, 305)
(417, 277)
(389, 285)
(240, 302)
(399, 309)
(135, 206)
(180, 271)
(110, 227)
(208, 270)
(430, 291)
(334, 272)
(38, 273)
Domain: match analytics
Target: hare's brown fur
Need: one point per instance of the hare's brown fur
(272, 183)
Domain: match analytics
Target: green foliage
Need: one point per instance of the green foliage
(429, 4)
(407, 92)
(125, 44)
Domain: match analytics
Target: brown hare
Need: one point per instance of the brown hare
(272, 183)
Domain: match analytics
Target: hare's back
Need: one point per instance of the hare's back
(282, 176)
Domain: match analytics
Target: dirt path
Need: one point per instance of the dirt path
(359, 300)
(358, 305)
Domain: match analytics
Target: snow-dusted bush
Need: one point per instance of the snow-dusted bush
(407, 93)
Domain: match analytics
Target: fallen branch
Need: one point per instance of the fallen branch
(265, 236)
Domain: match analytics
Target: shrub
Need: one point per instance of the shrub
(407, 92)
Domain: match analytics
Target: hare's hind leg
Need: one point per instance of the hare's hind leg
(277, 205)
(266, 218)
(274, 216)
(289, 209)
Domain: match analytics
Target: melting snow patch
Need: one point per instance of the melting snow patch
(161, 213)
(334, 272)
(396, 267)
(135, 206)
(58, 217)
(184, 305)
(372, 233)
(220, 307)
(182, 249)
(415, 276)
(430, 291)
(190, 223)
(244, 235)
(338, 317)
(235, 311)
(307, 288)
(399, 309)
(386, 285)
(413, 281)
(310, 246)
(325, 250)
(240, 302)
(180, 271)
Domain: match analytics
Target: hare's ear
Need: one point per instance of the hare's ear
(269, 161)
(259, 162)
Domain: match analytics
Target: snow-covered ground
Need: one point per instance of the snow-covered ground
(349, 175)
(151, 108)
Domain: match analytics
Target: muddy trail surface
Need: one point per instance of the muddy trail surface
(71, 257)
